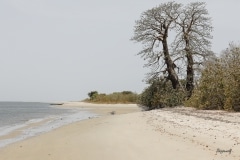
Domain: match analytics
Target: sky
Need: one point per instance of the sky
(59, 50)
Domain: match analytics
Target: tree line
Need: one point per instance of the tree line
(115, 97)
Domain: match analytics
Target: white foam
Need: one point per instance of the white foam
(35, 120)
(8, 129)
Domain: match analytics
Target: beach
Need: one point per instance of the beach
(123, 131)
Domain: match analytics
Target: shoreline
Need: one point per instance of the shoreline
(11, 134)
(176, 133)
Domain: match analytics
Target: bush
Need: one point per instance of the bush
(160, 94)
(219, 86)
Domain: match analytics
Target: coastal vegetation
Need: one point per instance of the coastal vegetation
(160, 94)
(116, 97)
(219, 85)
(185, 71)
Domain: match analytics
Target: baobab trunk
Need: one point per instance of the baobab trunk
(172, 76)
(190, 76)
(190, 70)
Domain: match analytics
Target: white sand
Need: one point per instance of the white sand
(168, 134)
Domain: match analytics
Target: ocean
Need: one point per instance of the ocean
(21, 120)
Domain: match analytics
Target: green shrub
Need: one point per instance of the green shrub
(160, 94)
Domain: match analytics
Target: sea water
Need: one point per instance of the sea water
(32, 118)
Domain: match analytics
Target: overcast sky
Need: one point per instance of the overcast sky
(59, 50)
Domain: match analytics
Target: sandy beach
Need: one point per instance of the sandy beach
(167, 134)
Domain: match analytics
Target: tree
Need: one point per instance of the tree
(192, 39)
(152, 30)
(92, 95)
(191, 27)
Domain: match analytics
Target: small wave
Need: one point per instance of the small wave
(35, 127)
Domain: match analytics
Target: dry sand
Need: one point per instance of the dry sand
(104, 109)
(167, 134)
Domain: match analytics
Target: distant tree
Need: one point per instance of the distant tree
(127, 92)
(92, 95)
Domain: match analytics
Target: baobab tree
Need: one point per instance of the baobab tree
(191, 27)
(152, 31)
(193, 39)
